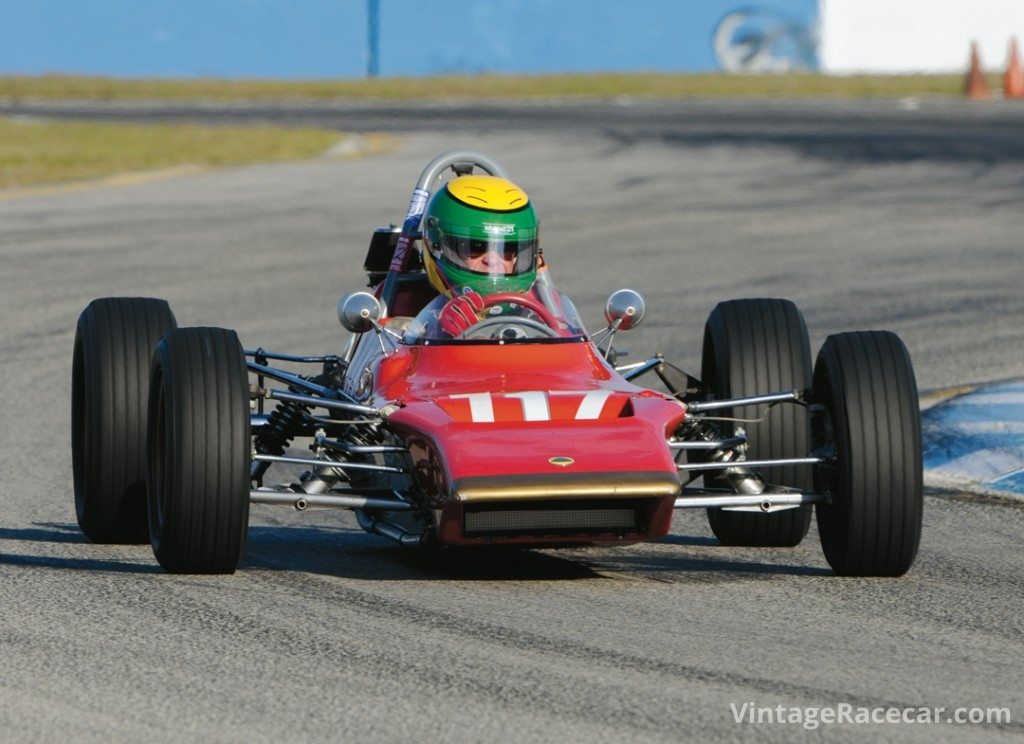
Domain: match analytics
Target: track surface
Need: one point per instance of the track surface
(903, 220)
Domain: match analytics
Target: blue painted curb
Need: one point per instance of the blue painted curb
(975, 441)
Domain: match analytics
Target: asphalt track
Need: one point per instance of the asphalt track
(889, 217)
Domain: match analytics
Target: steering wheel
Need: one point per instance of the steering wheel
(524, 301)
(500, 325)
(509, 328)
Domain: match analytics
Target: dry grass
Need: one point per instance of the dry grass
(490, 86)
(39, 152)
(36, 152)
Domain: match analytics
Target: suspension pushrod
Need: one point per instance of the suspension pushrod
(764, 500)
(713, 445)
(309, 400)
(753, 400)
(750, 463)
(327, 463)
(338, 501)
(290, 357)
(361, 449)
(632, 371)
(282, 376)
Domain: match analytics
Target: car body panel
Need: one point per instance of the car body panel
(528, 424)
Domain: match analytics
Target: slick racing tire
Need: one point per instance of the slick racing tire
(199, 451)
(114, 343)
(752, 347)
(872, 525)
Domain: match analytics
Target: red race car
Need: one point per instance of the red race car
(471, 407)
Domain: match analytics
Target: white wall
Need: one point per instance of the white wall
(890, 36)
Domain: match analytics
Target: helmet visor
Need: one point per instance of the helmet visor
(494, 255)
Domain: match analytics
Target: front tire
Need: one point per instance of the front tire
(753, 347)
(114, 343)
(866, 383)
(199, 451)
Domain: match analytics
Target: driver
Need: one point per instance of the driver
(480, 239)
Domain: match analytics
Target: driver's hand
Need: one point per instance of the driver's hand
(461, 313)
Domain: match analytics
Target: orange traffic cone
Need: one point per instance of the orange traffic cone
(1013, 80)
(976, 88)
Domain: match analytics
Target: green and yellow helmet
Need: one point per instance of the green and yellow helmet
(480, 232)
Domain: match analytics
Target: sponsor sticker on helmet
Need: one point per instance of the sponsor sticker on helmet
(491, 229)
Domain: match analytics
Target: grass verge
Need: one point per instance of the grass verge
(34, 152)
(490, 86)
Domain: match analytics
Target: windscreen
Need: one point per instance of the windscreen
(545, 314)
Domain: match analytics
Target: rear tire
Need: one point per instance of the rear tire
(199, 451)
(114, 343)
(866, 382)
(753, 347)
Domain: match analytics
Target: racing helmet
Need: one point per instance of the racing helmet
(480, 232)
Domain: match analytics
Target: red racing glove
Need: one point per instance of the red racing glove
(461, 313)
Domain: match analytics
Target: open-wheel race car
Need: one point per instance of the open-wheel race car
(471, 407)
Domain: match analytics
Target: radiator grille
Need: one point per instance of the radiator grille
(553, 519)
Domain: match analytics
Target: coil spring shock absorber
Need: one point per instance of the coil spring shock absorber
(741, 479)
(282, 426)
(697, 429)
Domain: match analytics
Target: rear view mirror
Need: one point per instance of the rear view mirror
(358, 311)
(625, 309)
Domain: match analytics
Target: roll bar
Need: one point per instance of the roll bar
(460, 161)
